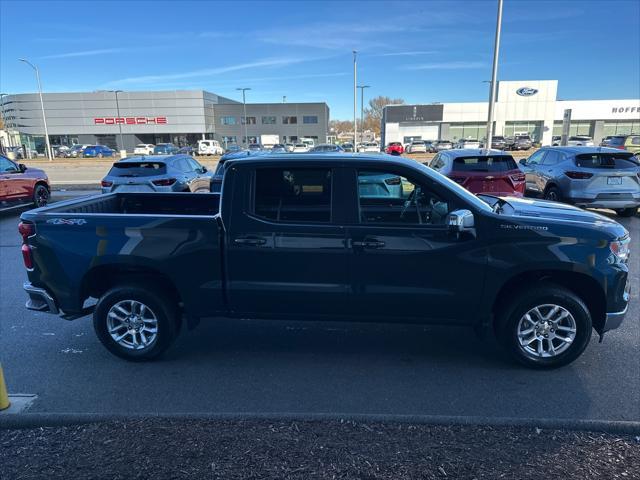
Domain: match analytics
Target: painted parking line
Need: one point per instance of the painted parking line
(20, 403)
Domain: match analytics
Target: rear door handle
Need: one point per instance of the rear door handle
(368, 244)
(250, 241)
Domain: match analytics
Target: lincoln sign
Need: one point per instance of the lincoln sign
(130, 121)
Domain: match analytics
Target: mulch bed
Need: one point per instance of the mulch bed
(259, 449)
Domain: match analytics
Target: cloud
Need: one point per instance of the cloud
(84, 53)
(207, 72)
(445, 66)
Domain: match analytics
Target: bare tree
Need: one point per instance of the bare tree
(373, 114)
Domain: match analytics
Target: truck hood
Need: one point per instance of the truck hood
(544, 210)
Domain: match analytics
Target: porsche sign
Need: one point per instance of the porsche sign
(130, 121)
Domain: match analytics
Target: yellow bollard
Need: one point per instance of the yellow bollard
(4, 396)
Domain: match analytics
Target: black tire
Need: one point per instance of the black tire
(163, 306)
(627, 212)
(41, 195)
(509, 318)
(553, 194)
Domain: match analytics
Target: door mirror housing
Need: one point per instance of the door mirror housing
(22, 167)
(461, 221)
(523, 161)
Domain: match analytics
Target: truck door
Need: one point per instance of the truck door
(404, 260)
(285, 249)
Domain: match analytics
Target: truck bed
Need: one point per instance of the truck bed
(141, 204)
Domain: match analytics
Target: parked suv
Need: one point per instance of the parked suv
(498, 142)
(394, 148)
(97, 151)
(144, 149)
(467, 143)
(417, 146)
(209, 147)
(597, 177)
(165, 149)
(481, 171)
(519, 142)
(630, 143)
(20, 185)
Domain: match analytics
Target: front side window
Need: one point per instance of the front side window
(7, 166)
(268, 120)
(228, 120)
(289, 120)
(310, 119)
(389, 198)
(293, 194)
(551, 158)
(536, 158)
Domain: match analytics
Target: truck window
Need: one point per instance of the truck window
(293, 194)
(386, 197)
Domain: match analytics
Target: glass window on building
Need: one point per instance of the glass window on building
(228, 120)
(252, 139)
(269, 120)
(577, 127)
(310, 119)
(289, 120)
(474, 131)
(533, 129)
(228, 140)
(621, 127)
(248, 120)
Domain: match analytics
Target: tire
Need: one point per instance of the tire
(553, 194)
(41, 196)
(627, 212)
(510, 322)
(158, 304)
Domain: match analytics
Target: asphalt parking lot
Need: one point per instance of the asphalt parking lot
(264, 367)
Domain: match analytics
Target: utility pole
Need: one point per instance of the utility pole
(44, 117)
(284, 99)
(494, 77)
(244, 108)
(362, 87)
(355, 98)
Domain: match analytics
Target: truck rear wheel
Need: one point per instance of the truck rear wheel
(545, 327)
(627, 212)
(136, 323)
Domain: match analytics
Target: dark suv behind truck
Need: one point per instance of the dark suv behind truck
(330, 237)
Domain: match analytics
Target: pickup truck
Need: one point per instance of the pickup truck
(330, 237)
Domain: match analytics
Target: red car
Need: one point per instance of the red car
(394, 148)
(482, 171)
(20, 185)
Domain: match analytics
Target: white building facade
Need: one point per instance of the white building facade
(521, 107)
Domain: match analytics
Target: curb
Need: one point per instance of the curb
(35, 420)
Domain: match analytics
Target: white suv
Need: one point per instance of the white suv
(143, 149)
(209, 147)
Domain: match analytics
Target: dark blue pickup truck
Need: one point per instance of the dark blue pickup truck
(330, 236)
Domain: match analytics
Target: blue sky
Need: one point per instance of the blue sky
(420, 51)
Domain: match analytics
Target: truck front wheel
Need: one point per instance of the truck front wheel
(545, 327)
(136, 323)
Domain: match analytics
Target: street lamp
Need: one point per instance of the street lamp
(494, 75)
(44, 117)
(244, 108)
(355, 97)
(116, 92)
(362, 87)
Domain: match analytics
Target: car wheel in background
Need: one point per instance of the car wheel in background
(553, 194)
(545, 327)
(41, 196)
(136, 322)
(627, 212)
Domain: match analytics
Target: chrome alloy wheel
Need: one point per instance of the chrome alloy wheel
(546, 331)
(132, 324)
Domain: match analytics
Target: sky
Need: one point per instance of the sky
(420, 51)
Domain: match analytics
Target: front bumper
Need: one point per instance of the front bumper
(614, 319)
(40, 300)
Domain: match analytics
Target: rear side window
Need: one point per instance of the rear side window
(138, 169)
(606, 160)
(635, 141)
(293, 194)
(616, 141)
(498, 163)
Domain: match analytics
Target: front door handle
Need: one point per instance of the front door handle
(250, 241)
(368, 244)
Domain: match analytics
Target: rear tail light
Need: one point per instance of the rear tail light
(459, 180)
(578, 175)
(517, 177)
(106, 183)
(164, 182)
(26, 230)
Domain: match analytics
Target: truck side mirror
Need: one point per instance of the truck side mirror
(461, 221)
(22, 167)
(523, 161)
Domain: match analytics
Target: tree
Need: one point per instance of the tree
(340, 126)
(373, 114)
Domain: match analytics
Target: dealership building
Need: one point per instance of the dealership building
(124, 119)
(521, 107)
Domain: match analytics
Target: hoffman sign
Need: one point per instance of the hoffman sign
(130, 121)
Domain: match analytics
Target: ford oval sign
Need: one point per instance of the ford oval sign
(526, 91)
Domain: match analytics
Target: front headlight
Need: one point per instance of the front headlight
(621, 249)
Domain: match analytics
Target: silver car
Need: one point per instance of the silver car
(596, 177)
(157, 173)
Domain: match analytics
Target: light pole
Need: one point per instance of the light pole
(244, 108)
(116, 92)
(44, 117)
(284, 99)
(362, 87)
(494, 75)
(355, 97)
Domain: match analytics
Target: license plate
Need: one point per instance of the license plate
(614, 181)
